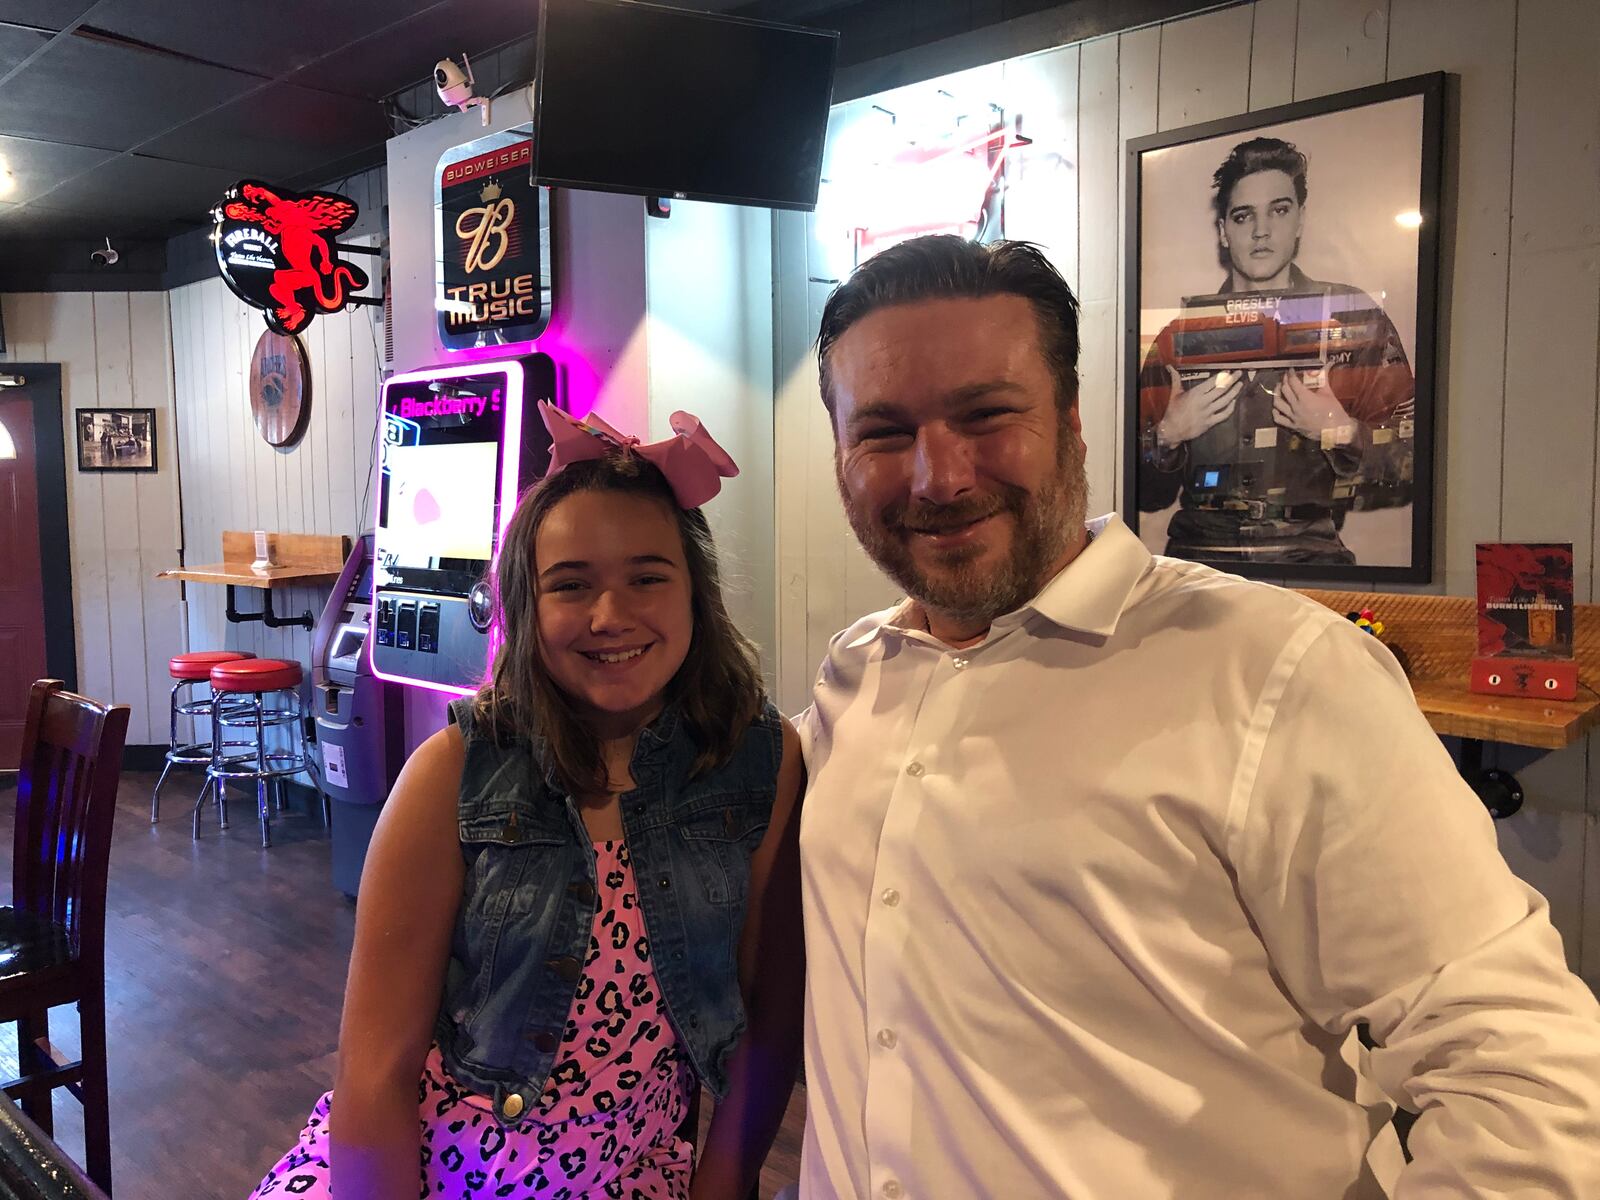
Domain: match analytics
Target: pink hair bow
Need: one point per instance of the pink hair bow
(693, 463)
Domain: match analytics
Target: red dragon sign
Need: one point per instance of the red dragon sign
(277, 252)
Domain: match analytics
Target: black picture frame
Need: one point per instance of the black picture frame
(115, 439)
(1265, 489)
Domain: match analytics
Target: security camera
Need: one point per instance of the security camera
(105, 256)
(454, 83)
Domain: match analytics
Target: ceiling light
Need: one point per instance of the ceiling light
(1408, 220)
(12, 381)
(8, 181)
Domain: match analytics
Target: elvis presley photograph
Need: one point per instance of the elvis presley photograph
(1281, 289)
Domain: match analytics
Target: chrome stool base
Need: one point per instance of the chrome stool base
(246, 759)
(184, 754)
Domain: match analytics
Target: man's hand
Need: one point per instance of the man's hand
(1190, 413)
(1313, 413)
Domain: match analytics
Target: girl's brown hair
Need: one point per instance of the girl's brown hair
(718, 687)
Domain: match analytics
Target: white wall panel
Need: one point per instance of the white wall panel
(1273, 37)
(1478, 42)
(232, 479)
(114, 350)
(1339, 45)
(708, 289)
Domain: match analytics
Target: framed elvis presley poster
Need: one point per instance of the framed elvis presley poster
(1279, 361)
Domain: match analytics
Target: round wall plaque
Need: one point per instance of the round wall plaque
(280, 388)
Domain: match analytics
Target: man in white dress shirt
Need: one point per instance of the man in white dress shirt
(1106, 855)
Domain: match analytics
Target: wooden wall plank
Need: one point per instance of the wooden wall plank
(225, 480)
(1551, 401)
(795, 392)
(1272, 52)
(828, 537)
(151, 337)
(1477, 42)
(314, 447)
(366, 373)
(1041, 99)
(1341, 44)
(1138, 95)
(339, 459)
(1099, 210)
(1205, 67)
(71, 342)
(1554, 304)
(205, 505)
(1099, 167)
(183, 405)
(121, 521)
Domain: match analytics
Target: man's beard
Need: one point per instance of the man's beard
(1044, 524)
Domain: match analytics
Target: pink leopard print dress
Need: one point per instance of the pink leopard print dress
(606, 1124)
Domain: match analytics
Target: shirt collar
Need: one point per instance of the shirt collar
(1088, 595)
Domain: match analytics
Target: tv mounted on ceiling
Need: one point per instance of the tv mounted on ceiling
(661, 102)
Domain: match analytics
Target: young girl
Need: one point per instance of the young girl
(582, 899)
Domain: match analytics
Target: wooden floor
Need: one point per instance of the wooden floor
(225, 968)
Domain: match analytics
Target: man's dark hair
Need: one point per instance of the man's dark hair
(1251, 158)
(944, 266)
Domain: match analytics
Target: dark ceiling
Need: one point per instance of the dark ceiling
(130, 118)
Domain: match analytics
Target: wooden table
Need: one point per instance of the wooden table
(1435, 638)
(300, 558)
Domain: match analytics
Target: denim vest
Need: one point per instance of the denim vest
(529, 898)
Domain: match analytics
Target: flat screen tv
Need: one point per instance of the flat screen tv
(662, 102)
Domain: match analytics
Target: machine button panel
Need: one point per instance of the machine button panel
(428, 629)
(385, 622)
(405, 635)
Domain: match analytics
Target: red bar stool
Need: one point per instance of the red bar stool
(189, 670)
(263, 693)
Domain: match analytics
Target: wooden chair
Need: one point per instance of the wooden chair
(52, 938)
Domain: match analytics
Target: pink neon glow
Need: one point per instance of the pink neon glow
(937, 189)
(510, 468)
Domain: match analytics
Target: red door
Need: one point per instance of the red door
(21, 573)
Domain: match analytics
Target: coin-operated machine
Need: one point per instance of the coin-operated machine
(360, 725)
(460, 443)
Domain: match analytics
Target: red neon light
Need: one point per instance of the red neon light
(307, 274)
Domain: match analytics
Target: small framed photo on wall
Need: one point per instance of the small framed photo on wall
(1281, 271)
(116, 439)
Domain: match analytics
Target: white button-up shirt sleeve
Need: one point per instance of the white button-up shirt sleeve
(1092, 906)
(1371, 870)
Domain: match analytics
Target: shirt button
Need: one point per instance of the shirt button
(960, 664)
(567, 968)
(887, 1038)
(915, 770)
(512, 1106)
(545, 1042)
(890, 897)
(892, 1189)
(582, 890)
